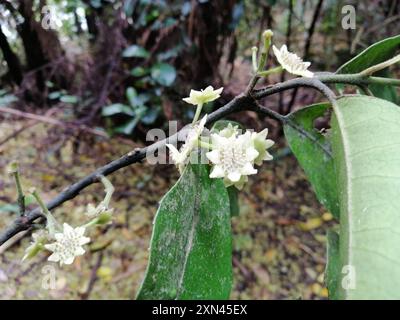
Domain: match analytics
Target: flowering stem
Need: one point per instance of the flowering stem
(197, 114)
(254, 58)
(51, 221)
(109, 189)
(270, 71)
(91, 223)
(267, 35)
(380, 66)
(21, 197)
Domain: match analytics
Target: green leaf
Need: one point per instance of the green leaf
(29, 199)
(9, 208)
(233, 194)
(7, 99)
(191, 246)
(128, 127)
(366, 149)
(139, 71)
(69, 99)
(117, 108)
(163, 73)
(313, 151)
(376, 53)
(135, 51)
(131, 94)
(333, 266)
(150, 115)
(54, 95)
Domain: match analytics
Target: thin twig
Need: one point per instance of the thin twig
(51, 121)
(93, 276)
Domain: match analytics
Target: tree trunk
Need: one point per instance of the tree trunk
(13, 63)
(42, 47)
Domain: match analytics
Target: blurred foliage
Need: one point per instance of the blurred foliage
(162, 49)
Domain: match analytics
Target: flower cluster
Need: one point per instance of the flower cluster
(234, 155)
(67, 242)
(231, 154)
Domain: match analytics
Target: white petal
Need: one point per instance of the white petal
(59, 236)
(213, 156)
(209, 89)
(54, 257)
(248, 169)
(269, 143)
(84, 240)
(234, 176)
(276, 52)
(268, 156)
(69, 260)
(217, 172)
(219, 91)
(263, 134)
(50, 247)
(251, 154)
(189, 100)
(67, 228)
(218, 140)
(80, 231)
(79, 251)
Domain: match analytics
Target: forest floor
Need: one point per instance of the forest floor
(279, 237)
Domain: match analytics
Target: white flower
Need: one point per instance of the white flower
(291, 62)
(261, 144)
(38, 240)
(180, 158)
(203, 96)
(68, 244)
(232, 158)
